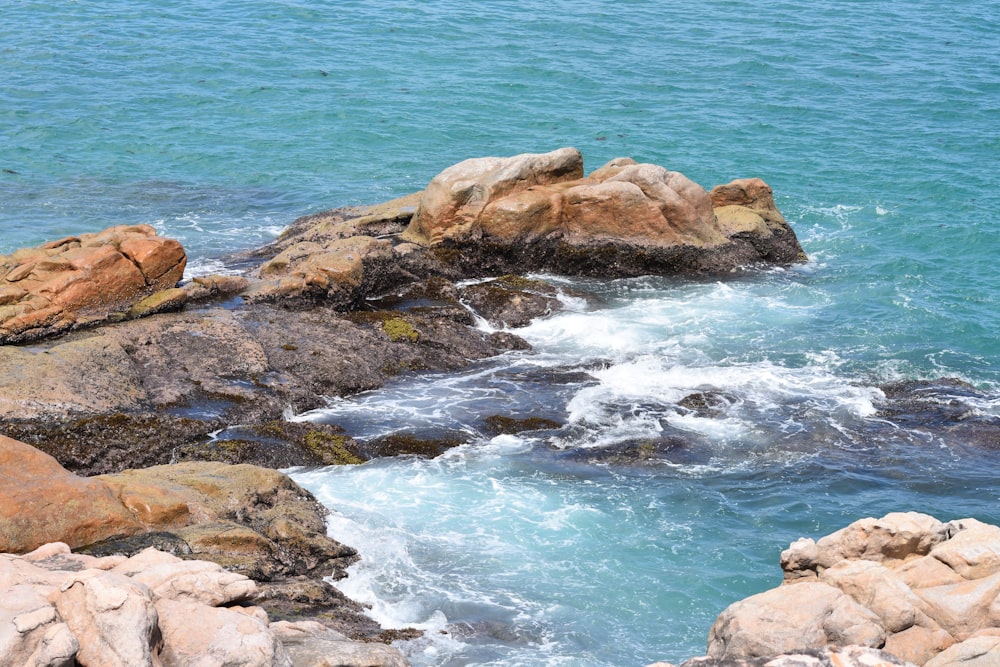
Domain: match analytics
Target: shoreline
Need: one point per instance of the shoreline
(343, 302)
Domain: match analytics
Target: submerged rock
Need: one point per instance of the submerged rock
(919, 589)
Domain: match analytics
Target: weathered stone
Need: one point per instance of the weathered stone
(511, 301)
(196, 580)
(82, 280)
(311, 644)
(918, 644)
(878, 589)
(895, 537)
(537, 212)
(973, 552)
(42, 502)
(451, 205)
(964, 608)
(925, 572)
(807, 614)
(112, 618)
(982, 651)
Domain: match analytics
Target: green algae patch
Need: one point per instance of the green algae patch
(398, 329)
(331, 449)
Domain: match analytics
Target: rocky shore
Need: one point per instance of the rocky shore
(142, 417)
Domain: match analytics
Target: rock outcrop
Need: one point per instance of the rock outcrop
(917, 588)
(85, 279)
(154, 609)
(539, 212)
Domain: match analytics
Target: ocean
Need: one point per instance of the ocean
(876, 124)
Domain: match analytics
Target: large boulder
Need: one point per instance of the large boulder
(84, 279)
(538, 212)
(452, 206)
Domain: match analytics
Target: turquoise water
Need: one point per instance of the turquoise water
(876, 124)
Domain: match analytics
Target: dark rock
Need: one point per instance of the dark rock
(944, 407)
(706, 404)
(511, 301)
(131, 545)
(649, 451)
(500, 424)
(422, 444)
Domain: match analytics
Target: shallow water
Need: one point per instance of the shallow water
(875, 124)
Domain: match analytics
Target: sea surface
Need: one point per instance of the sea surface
(876, 124)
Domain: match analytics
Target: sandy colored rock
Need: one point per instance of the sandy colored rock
(112, 618)
(341, 271)
(982, 651)
(895, 537)
(451, 205)
(973, 552)
(807, 614)
(877, 588)
(195, 635)
(925, 572)
(197, 580)
(918, 644)
(962, 609)
(311, 644)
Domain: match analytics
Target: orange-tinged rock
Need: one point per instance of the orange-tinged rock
(45, 503)
(84, 279)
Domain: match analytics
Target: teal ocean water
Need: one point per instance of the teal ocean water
(876, 124)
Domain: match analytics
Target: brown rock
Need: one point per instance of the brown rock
(80, 280)
(451, 205)
(973, 552)
(341, 272)
(981, 651)
(42, 502)
(962, 609)
(918, 644)
(539, 213)
(878, 589)
(895, 537)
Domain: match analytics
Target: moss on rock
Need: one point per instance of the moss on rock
(397, 329)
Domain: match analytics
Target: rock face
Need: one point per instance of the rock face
(59, 609)
(84, 279)
(917, 588)
(623, 219)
